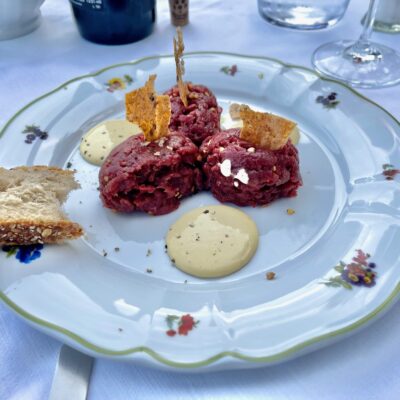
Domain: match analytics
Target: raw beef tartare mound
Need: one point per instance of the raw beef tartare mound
(150, 176)
(239, 173)
(200, 119)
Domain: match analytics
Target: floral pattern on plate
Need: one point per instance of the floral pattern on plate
(359, 272)
(25, 254)
(229, 70)
(329, 101)
(180, 325)
(34, 132)
(114, 84)
(389, 171)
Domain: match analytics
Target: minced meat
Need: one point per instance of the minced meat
(249, 176)
(200, 119)
(150, 176)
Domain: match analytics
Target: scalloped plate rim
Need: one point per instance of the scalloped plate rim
(91, 348)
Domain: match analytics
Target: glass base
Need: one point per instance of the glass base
(20, 28)
(300, 26)
(302, 14)
(339, 60)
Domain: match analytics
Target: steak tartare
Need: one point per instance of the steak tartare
(200, 119)
(239, 173)
(150, 176)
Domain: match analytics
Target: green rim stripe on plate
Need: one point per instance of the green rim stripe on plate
(142, 349)
(100, 71)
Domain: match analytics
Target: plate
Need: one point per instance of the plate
(115, 293)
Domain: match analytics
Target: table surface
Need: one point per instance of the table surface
(364, 366)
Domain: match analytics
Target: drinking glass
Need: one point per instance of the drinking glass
(302, 14)
(388, 16)
(19, 17)
(360, 63)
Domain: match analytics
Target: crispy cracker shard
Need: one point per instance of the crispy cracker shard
(140, 106)
(179, 47)
(163, 115)
(265, 130)
(151, 112)
(234, 111)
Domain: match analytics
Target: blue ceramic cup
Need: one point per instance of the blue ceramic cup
(114, 21)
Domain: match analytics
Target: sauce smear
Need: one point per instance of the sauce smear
(212, 241)
(98, 142)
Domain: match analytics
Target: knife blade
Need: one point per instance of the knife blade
(72, 375)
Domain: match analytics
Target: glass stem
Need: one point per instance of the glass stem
(363, 51)
(369, 21)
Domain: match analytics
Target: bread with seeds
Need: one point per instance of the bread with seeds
(30, 205)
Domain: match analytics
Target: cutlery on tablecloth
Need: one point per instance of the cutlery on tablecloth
(72, 376)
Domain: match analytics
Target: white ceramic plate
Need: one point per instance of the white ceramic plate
(112, 305)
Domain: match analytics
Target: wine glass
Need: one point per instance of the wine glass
(360, 63)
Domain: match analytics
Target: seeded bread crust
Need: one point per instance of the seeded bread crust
(22, 232)
(27, 230)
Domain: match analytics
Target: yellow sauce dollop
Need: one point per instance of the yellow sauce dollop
(98, 142)
(212, 241)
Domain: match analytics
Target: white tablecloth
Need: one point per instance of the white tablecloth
(365, 366)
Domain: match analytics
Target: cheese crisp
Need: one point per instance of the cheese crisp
(265, 130)
(234, 110)
(163, 116)
(179, 47)
(151, 112)
(140, 107)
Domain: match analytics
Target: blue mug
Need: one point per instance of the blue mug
(114, 21)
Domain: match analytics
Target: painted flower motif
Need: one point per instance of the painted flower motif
(229, 70)
(359, 272)
(25, 254)
(180, 325)
(118, 83)
(389, 171)
(361, 258)
(329, 101)
(128, 79)
(33, 132)
(115, 84)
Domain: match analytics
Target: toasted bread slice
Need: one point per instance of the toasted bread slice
(30, 205)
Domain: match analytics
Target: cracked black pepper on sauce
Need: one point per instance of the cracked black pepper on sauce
(212, 241)
(97, 143)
